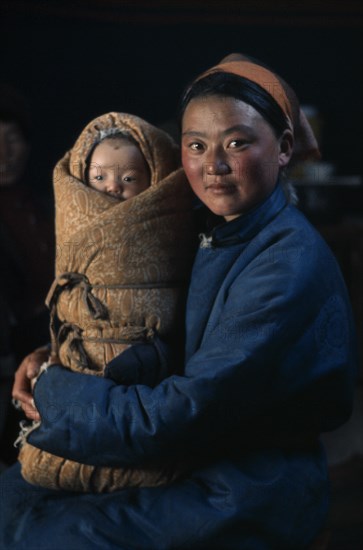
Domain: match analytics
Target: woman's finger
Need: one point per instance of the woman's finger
(30, 411)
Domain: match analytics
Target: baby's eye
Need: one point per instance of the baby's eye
(98, 177)
(128, 179)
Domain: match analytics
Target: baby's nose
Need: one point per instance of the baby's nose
(115, 184)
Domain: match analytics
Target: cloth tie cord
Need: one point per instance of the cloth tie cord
(94, 306)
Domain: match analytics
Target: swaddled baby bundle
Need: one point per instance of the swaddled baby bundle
(122, 270)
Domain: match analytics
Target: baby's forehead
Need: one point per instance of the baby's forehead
(118, 141)
(126, 146)
(120, 150)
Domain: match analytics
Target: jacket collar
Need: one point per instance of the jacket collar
(245, 227)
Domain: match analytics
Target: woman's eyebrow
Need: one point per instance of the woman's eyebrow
(193, 133)
(237, 128)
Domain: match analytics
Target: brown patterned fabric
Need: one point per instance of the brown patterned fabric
(120, 270)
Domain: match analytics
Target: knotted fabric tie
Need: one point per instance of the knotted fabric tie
(70, 280)
(67, 281)
(75, 347)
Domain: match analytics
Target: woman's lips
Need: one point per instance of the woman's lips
(220, 188)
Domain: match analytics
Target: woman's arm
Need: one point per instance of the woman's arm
(280, 361)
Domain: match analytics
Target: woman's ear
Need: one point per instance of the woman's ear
(286, 142)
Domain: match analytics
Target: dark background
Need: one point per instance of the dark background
(77, 60)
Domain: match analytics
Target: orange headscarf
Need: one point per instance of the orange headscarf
(306, 146)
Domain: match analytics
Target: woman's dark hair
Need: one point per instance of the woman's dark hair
(231, 85)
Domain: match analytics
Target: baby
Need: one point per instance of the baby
(125, 242)
(117, 167)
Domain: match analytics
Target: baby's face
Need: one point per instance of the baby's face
(118, 168)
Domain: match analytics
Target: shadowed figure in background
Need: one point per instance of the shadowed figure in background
(26, 249)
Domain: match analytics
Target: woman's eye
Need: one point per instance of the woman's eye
(235, 143)
(195, 146)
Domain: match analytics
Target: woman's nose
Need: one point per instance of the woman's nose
(217, 165)
(217, 168)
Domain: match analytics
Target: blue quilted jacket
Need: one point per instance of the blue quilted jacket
(270, 363)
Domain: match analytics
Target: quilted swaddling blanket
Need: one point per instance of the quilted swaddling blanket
(121, 273)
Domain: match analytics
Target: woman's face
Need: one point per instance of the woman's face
(230, 154)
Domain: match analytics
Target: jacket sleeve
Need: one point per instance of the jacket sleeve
(143, 363)
(279, 360)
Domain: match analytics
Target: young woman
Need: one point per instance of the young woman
(270, 361)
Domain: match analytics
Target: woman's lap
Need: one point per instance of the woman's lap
(256, 507)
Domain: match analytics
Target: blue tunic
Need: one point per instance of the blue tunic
(270, 363)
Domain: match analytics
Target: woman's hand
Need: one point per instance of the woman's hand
(143, 363)
(26, 373)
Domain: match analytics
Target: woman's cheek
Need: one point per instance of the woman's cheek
(185, 160)
(193, 169)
